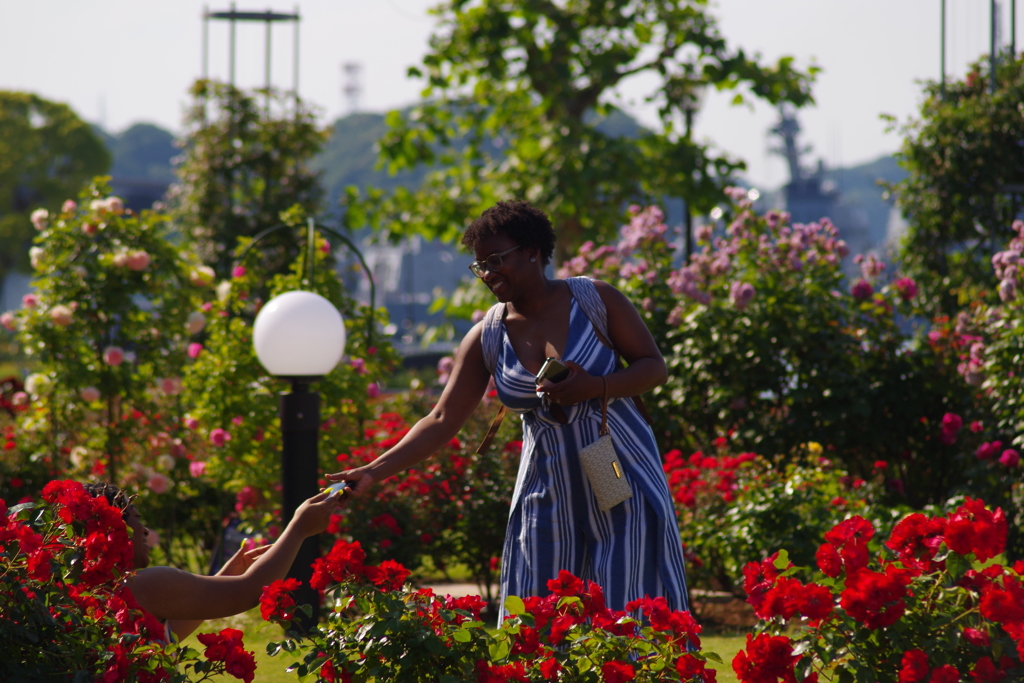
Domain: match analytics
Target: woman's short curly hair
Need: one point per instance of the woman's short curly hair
(527, 225)
(115, 496)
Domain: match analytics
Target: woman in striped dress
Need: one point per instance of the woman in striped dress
(632, 550)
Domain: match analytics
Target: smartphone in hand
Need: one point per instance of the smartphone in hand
(552, 372)
(336, 489)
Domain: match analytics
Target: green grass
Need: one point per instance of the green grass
(272, 669)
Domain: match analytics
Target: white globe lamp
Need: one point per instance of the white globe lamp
(299, 334)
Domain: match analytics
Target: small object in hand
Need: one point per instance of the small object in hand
(336, 489)
(553, 371)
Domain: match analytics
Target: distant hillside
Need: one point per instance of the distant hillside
(143, 156)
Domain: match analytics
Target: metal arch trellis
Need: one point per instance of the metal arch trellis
(310, 259)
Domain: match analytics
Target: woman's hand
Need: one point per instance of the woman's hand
(314, 515)
(578, 387)
(359, 479)
(242, 560)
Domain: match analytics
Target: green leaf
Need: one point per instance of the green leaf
(514, 605)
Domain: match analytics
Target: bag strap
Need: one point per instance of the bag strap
(603, 429)
(489, 437)
(589, 299)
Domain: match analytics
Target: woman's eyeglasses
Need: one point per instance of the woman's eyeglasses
(491, 264)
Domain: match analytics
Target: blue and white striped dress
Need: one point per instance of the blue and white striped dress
(633, 549)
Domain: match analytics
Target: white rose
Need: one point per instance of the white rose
(165, 462)
(36, 384)
(35, 257)
(61, 315)
(39, 218)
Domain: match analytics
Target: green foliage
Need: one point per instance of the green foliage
(960, 153)
(513, 96)
(766, 349)
(232, 421)
(734, 510)
(936, 597)
(452, 508)
(381, 631)
(66, 613)
(46, 155)
(242, 168)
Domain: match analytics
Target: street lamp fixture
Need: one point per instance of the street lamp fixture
(299, 336)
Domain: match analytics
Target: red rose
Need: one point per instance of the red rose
(566, 584)
(876, 598)
(617, 672)
(276, 601)
(766, 659)
(974, 529)
(914, 667)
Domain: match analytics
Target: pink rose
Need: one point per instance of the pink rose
(170, 386)
(237, 420)
(951, 422)
(977, 427)
(90, 229)
(60, 315)
(138, 260)
(197, 468)
(8, 321)
(988, 450)
(90, 394)
(30, 301)
(1008, 289)
(113, 355)
(158, 483)
(191, 423)
(219, 437)
(120, 259)
(69, 206)
(20, 398)
(194, 349)
(741, 293)
(238, 271)
(372, 390)
(358, 365)
(115, 206)
(862, 289)
(906, 287)
(1010, 458)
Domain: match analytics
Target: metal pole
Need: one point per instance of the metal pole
(206, 42)
(295, 62)
(942, 53)
(231, 46)
(1013, 28)
(992, 44)
(300, 422)
(266, 70)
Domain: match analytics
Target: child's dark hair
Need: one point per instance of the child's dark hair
(527, 225)
(115, 496)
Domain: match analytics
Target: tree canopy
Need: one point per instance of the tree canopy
(964, 155)
(47, 154)
(245, 162)
(515, 91)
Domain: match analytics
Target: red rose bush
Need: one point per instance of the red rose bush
(379, 629)
(66, 612)
(935, 602)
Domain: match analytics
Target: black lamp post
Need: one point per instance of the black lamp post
(299, 336)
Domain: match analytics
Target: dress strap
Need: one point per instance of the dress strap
(490, 336)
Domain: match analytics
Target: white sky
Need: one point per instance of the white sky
(118, 62)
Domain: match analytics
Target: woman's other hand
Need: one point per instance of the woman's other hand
(242, 560)
(359, 481)
(578, 387)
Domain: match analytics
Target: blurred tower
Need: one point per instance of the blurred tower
(352, 86)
